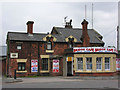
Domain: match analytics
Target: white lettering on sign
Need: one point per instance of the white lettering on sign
(94, 49)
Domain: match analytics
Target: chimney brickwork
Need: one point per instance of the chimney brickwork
(30, 27)
(85, 36)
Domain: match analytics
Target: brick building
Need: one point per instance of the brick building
(47, 54)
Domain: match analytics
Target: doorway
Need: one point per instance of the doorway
(69, 68)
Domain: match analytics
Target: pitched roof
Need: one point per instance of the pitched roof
(63, 33)
(25, 36)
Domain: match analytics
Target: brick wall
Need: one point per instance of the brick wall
(29, 51)
(60, 68)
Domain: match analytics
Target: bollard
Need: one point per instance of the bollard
(15, 74)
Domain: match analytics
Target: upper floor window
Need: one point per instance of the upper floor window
(70, 44)
(49, 45)
(107, 63)
(19, 47)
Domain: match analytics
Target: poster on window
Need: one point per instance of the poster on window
(118, 64)
(55, 65)
(34, 65)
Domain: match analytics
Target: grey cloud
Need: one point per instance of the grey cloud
(47, 15)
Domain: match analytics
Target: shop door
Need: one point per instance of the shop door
(69, 68)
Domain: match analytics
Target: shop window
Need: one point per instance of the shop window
(44, 63)
(80, 63)
(89, 63)
(98, 63)
(49, 45)
(19, 47)
(107, 63)
(21, 66)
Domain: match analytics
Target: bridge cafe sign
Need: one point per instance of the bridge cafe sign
(94, 49)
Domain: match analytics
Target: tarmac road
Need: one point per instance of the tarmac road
(58, 82)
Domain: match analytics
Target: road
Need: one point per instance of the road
(58, 82)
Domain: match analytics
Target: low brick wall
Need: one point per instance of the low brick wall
(96, 74)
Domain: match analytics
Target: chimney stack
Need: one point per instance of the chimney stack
(85, 36)
(30, 27)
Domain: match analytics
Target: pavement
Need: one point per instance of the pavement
(11, 80)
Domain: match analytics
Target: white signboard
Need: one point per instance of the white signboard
(93, 49)
(55, 65)
(13, 55)
(34, 65)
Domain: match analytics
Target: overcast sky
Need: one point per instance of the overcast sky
(48, 14)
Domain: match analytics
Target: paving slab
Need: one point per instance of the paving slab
(11, 80)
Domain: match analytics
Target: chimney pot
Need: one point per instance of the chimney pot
(84, 22)
(30, 27)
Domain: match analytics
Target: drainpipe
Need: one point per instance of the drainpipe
(30, 57)
(38, 60)
(8, 55)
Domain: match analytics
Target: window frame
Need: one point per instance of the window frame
(43, 63)
(89, 64)
(79, 63)
(49, 43)
(70, 45)
(21, 64)
(19, 46)
(107, 63)
(97, 63)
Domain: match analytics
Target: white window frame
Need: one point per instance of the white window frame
(19, 47)
(89, 63)
(13, 55)
(79, 63)
(97, 63)
(107, 63)
(49, 45)
(70, 45)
